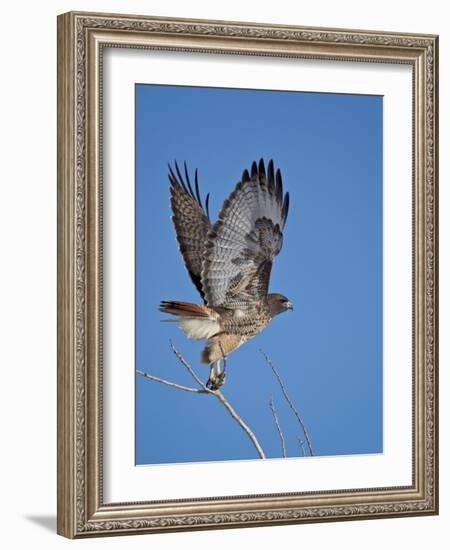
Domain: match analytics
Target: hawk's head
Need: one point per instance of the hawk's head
(278, 303)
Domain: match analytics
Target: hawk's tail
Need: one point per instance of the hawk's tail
(197, 321)
(183, 309)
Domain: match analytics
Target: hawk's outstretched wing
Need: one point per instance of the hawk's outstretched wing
(191, 221)
(244, 241)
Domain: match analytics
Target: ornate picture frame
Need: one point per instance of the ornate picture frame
(82, 40)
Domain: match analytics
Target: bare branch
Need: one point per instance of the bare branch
(291, 405)
(167, 383)
(239, 420)
(302, 446)
(277, 422)
(188, 367)
(204, 390)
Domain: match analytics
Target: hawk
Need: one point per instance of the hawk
(229, 261)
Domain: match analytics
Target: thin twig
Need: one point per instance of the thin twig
(277, 422)
(302, 446)
(291, 405)
(203, 389)
(188, 367)
(167, 383)
(241, 423)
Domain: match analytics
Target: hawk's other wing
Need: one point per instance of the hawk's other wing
(191, 221)
(244, 241)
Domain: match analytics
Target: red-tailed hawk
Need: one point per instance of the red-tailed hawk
(229, 261)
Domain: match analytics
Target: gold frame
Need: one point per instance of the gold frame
(81, 37)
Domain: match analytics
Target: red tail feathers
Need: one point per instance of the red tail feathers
(184, 309)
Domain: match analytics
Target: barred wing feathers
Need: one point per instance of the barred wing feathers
(191, 221)
(244, 241)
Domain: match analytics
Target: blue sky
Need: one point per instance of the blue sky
(329, 349)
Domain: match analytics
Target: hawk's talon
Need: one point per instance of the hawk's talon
(221, 379)
(216, 380)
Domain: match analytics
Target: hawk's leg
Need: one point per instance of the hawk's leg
(216, 377)
(221, 375)
(211, 382)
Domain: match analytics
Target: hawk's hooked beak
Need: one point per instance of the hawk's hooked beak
(290, 305)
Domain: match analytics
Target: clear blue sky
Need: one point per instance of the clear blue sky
(329, 349)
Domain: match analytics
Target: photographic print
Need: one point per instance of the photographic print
(247, 274)
(259, 235)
